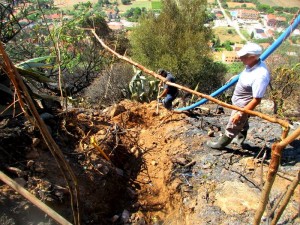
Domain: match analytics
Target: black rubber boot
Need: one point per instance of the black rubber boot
(221, 143)
(240, 138)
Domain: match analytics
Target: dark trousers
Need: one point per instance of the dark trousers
(167, 101)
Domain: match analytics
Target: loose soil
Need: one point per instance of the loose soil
(159, 170)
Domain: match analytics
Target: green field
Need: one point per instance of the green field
(141, 4)
(156, 5)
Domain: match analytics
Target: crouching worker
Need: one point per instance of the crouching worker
(248, 92)
(169, 93)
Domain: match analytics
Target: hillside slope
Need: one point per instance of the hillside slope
(159, 170)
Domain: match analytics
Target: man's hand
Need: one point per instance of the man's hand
(163, 81)
(236, 117)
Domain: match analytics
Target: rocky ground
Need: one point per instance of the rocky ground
(159, 169)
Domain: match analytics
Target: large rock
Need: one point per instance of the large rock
(234, 197)
(290, 108)
(266, 106)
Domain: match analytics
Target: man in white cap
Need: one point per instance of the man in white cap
(248, 92)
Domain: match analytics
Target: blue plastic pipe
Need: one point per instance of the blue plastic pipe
(263, 56)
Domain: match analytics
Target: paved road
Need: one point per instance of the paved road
(234, 24)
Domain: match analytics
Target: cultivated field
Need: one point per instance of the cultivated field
(236, 4)
(138, 3)
(222, 33)
(283, 3)
(68, 4)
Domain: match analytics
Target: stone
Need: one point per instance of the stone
(114, 218)
(154, 163)
(125, 216)
(234, 197)
(35, 142)
(116, 110)
(266, 106)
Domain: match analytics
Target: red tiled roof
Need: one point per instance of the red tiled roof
(271, 17)
(53, 16)
(280, 18)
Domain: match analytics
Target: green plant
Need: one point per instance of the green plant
(31, 69)
(143, 88)
(192, 100)
(34, 78)
(176, 41)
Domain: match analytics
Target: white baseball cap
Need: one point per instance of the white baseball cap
(250, 48)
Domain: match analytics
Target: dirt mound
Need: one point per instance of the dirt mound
(130, 134)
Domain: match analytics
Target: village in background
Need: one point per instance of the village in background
(233, 26)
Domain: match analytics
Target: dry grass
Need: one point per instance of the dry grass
(222, 33)
(67, 4)
(283, 3)
(217, 56)
(236, 4)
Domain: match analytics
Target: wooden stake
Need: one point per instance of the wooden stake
(27, 104)
(38, 203)
(277, 149)
(286, 199)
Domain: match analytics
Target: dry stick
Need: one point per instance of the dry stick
(273, 209)
(283, 123)
(262, 170)
(12, 104)
(57, 51)
(277, 149)
(93, 141)
(24, 97)
(286, 199)
(54, 215)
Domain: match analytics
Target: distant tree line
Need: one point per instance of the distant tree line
(126, 2)
(133, 14)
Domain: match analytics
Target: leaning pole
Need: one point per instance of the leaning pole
(263, 57)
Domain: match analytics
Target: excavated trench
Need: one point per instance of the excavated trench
(117, 183)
